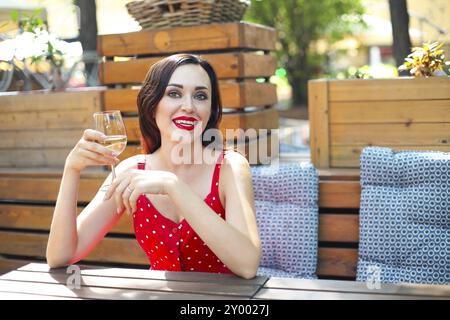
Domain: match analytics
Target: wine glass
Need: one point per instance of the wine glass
(110, 123)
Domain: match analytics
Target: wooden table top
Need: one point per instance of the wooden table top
(38, 281)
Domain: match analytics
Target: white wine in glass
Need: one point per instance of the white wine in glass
(110, 123)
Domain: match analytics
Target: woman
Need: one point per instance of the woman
(178, 227)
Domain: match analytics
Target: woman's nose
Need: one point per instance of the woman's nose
(188, 105)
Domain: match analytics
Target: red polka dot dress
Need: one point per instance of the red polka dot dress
(172, 246)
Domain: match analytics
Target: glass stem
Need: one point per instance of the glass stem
(113, 170)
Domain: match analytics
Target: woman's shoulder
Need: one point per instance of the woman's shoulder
(235, 162)
(232, 156)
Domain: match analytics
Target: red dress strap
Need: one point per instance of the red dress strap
(141, 163)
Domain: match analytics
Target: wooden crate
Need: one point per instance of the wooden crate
(39, 128)
(239, 53)
(401, 113)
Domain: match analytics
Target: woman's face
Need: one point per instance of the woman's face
(184, 111)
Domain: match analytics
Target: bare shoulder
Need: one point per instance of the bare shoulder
(235, 165)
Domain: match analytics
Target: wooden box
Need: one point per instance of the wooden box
(39, 128)
(400, 113)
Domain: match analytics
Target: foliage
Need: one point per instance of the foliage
(300, 24)
(426, 61)
(366, 72)
(46, 47)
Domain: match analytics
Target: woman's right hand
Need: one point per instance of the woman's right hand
(88, 152)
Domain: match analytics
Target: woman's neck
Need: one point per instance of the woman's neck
(177, 158)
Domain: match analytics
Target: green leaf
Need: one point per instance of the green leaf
(14, 15)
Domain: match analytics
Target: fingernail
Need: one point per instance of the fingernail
(118, 211)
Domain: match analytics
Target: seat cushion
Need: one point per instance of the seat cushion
(286, 203)
(404, 216)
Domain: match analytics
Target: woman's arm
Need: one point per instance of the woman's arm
(72, 238)
(235, 241)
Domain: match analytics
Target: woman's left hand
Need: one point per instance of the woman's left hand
(129, 185)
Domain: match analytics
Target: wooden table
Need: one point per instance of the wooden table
(37, 281)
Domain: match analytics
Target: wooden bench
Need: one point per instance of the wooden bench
(27, 198)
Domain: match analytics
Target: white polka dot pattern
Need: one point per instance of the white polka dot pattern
(405, 216)
(286, 203)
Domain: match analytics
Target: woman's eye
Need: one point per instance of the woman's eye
(174, 94)
(201, 96)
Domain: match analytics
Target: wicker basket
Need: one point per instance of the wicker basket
(158, 14)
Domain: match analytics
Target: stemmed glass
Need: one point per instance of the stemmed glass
(111, 124)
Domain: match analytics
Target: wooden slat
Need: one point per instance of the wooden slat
(25, 296)
(337, 262)
(339, 174)
(242, 35)
(349, 156)
(319, 123)
(266, 119)
(109, 250)
(46, 120)
(7, 265)
(41, 101)
(34, 157)
(339, 227)
(62, 290)
(38, 217)
(226, 66)
(43, 189)
(406, 112)
(394, 89)
(234, 96)
(42, 139)
(339, 194)
(286, 294)
(414, 134)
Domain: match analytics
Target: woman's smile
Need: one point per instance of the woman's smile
(185, 123)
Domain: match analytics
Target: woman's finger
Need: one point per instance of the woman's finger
(133, 198)
(97, 148)
(93, 156)
(121, 194)
(93, 135)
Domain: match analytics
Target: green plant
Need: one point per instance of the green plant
(426, 61)
(47, 46)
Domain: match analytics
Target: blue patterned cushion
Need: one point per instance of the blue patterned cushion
(286, 203)
(405, 216)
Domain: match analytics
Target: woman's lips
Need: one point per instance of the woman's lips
(184, 125)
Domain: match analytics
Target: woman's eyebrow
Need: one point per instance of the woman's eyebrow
(181, 86)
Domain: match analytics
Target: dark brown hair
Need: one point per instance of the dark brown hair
(153, 90)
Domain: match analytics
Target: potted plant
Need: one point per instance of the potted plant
(411, 113)
(42, 47)
(426, 61)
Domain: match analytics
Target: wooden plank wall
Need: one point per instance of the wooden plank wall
(26, 206)
(239, 53)
(401, 113)
(38, 129)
